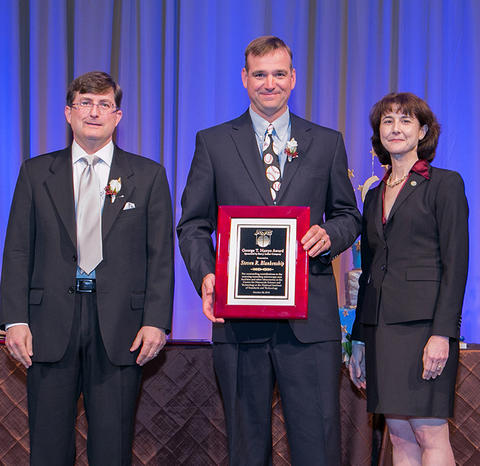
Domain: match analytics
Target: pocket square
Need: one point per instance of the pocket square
(128, 206)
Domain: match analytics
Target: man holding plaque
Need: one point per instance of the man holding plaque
(266, 157)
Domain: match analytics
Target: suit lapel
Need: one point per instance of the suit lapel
(300, 132)
(412, 184)
(244, 138)
(120, 169)
(60, 188)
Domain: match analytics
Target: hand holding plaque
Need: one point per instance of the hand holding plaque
(208, 297)
(261, 267)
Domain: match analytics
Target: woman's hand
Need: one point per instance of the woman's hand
(435, 355)
(357, 365)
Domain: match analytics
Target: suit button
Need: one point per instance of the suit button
(74, 258)
(71, 290)
(383, 267)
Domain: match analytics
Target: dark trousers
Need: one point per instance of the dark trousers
(109, 392)
(308, 380)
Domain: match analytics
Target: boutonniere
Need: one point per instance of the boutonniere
(291, 149)
(113, 188)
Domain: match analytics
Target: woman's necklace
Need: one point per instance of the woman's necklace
(392, 184)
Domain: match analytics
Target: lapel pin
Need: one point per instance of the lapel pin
(413, 183)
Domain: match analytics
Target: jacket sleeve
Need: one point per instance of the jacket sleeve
(160, 270)
(18, 254)
(451, 210)
(199, 216)
(366, 254)
(342, 218)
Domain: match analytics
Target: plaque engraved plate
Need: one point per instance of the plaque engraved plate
(262, 265)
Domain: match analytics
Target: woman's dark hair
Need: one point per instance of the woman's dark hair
(409, 104)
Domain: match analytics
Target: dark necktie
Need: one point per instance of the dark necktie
(271, 163)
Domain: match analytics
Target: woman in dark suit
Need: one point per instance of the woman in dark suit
(414, 269)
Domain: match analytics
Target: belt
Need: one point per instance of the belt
(86, 285)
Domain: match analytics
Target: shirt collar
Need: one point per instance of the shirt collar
(105, 154)
(421, 167)
(280, 125)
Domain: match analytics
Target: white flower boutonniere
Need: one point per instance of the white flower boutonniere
(291, 149)
(113, 188)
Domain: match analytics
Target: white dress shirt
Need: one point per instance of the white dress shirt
(102, 168)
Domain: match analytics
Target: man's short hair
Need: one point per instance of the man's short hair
(264, 45)
(94, 82)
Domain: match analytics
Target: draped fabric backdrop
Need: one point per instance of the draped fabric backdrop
(179, 63)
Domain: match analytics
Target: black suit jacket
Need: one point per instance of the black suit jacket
(227, 170)
(135, 278)
(417, 263)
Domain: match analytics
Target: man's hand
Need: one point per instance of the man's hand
(208, 296)
(152, 339)
(435, 355)
(19, 343)
(316, 241)
(357, 365)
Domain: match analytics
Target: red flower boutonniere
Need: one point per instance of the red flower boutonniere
(113, 188)
(291, 149)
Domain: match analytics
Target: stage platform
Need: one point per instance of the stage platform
(180, 417)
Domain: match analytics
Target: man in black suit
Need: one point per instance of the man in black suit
(302, 356)
(87, 280)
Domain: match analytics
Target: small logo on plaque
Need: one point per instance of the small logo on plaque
(263, 238)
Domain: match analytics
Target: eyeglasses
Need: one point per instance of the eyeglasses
(86, 106)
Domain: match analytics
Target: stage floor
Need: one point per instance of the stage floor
(180, 417)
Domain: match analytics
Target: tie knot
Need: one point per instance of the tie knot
(270, 129)
(90, 160)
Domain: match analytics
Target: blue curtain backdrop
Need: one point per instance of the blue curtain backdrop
(179, 64)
